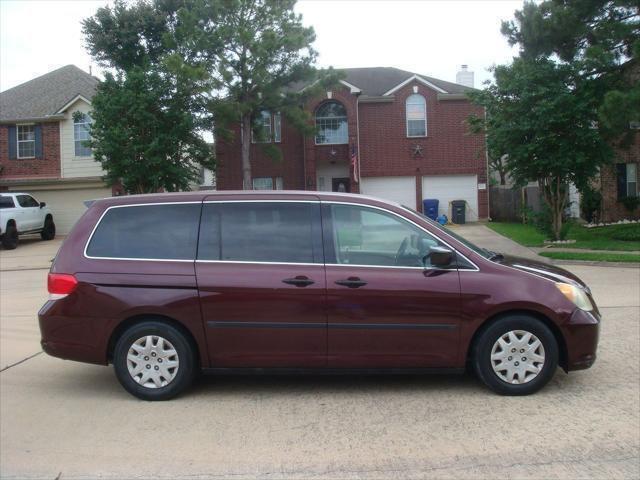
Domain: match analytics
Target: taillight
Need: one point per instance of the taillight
(60, 285)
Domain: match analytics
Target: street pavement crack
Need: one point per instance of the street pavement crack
(21, 361)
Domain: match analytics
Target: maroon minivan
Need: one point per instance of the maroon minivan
(164, 286)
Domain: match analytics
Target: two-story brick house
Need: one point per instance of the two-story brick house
(43, 144)
(383, 132)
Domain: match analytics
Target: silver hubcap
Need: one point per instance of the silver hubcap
(517, 356)
(152, 361)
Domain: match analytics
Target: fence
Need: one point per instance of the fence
(505, 203)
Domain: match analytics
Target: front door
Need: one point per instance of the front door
(341, 184)
(262, 284)
(385, 309)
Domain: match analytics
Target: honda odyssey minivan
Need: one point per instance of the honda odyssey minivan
(165, 286)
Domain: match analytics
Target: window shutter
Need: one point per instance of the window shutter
(38, 134)
(621, 178)
(13, 142)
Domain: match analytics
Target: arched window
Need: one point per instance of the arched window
(416, 116)
(331, 122)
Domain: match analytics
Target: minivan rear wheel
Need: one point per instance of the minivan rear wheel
(154, 360)
(516, 355)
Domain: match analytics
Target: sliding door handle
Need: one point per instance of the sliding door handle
(351, 282)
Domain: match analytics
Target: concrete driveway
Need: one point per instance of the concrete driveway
(72, 420)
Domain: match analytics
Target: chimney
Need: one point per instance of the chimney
(464, 76)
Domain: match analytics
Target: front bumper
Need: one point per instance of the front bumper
(582, 333)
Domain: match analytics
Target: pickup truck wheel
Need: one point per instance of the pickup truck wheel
(49, 230)
(10, 238)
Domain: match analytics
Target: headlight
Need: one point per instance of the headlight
(576, 295)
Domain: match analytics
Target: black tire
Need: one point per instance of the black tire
(10, 238)
(482, 361)
(185, 354)
(49, 230)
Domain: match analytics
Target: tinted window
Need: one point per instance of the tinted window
(6, 202)
(149, 231)
(27, 201)
(260, 232)
(365, 236)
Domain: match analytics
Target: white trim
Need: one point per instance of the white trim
(352, 88)
(410, 79)
(71, 102)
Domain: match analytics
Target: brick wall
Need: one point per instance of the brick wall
(48, 166)
(612, 209)
(384, 149)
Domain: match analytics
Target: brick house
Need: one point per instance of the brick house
(42, 149)
(384, 132)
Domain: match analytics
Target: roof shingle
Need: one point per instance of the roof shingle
(45, 95)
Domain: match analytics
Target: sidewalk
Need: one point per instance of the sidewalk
(487, 238)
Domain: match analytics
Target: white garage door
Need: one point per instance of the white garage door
(453, 187)
(67, 205)
(397, 189)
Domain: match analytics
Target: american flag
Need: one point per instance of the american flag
(354, 163)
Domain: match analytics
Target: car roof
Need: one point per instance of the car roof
(201, 195)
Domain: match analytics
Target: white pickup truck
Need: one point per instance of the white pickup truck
(21, 214)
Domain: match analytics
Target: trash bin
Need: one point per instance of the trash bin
(430, 207)
(458, 208)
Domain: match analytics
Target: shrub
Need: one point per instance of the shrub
(627, 234)
(631, 203)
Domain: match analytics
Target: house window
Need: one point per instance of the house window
(267, 128)
(26, 141)
(81, 135)
(267, 183)
(277, 128)
(416, 116)
(632, 179)
(627, 180)
(331, 123)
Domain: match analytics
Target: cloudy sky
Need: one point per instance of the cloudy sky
(425, 36)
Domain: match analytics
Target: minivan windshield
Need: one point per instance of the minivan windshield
(479, 250)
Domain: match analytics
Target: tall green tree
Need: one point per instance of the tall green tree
(258, 55)
(537, 116)
(146, 118)
(600, 39)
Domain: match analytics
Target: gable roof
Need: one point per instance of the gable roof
(379, 81)
(44, 96)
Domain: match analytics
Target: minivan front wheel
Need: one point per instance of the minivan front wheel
(516, 355)
(154, 361)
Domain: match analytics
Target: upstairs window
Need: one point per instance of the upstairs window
(627, 174)
(81, 136)
(267, 128)
(26, 141)
(331, 124)
(416, 116)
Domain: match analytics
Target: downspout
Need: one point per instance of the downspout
(486, 157)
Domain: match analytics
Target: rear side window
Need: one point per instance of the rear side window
(6, 202)
(163, 232)
(261, 232)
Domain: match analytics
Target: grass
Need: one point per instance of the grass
(593, 257)
(600, 238)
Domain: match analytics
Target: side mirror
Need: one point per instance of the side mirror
(439, 256)
(42, 204)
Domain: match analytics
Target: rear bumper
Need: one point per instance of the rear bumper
(582, 333)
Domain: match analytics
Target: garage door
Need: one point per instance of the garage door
(453, 187)
(397, 189)
(67, 205)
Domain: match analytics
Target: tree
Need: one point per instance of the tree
(600, 39)
(255, 52)
(538, 116)
(146, 118)
(144, 135)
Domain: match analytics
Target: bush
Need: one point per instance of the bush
(590, 202)
(627, 235)
(631, 203)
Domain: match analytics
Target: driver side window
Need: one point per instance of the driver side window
(367, 236)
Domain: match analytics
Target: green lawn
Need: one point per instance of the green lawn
(593, 257)
(600, 238)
